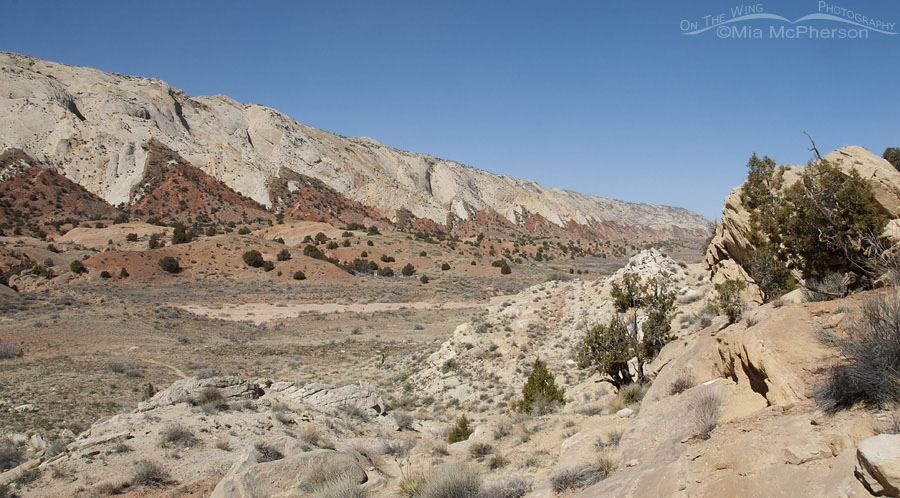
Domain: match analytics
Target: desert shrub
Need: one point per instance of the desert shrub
(397, 448)
(728, 300)
(577, 477)
(445, 266)
(408, 270)
(373, 230)
(253, 258)
(411, 486)
(505, 269)
(153, 242)
(105, 274)
(892, 154)
(9, 350)
(57, 447)
(331, 245)
(123, 273)
(387, 259)
(27, 476)
(461, 431)
(299, 275)
(180, 235)
(385, 272)
(210, 399)
(147, 473)
(705, 409)
(169, 264)
(283, 255)
(10, 455)
(268, 266)
(339, 486)
(131, 237)
(631, 394)
(480, 450)
(176, 434)
(824, 289)
(681, 383)
(452, 481)
(370, 243)
(6, 491)
(126, 368)
(507, 487)
(540, 392)
(77, 267)
(869, 349)
(612, 439)
(424, 279)
(266, 453)
(211, 231)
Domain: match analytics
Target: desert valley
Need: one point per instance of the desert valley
(201, 297)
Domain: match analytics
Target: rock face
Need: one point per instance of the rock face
(188, 390)
(362, 396)
(92, 124)
(729, 246)
(878, 466)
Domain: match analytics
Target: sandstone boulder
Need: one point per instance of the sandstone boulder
(363, 396)
(188, 390)
(878, 464)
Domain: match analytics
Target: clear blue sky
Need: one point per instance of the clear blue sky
(606, 98)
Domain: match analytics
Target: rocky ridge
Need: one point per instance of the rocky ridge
(92, 124)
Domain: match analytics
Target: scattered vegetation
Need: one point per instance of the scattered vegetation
(681, 383)
(176, 434)
(253, 258)
(10, 350)
(452, 481)
(10, 455)
(266, 453)
(577, 477)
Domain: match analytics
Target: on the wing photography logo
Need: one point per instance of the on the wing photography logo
(829, 22)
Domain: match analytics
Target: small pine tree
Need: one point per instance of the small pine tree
(729, 301)
(424, 279)
(408, 270)
(540, 391)
(284, 255)
(123, 273)
(180, 235)
(461, 431)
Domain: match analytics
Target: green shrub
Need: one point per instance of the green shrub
(268, 266)
(105, 274)
(540, 393)
(211, 231)
(299, 275)
(445, 266)
(505, 269)
(373, 230)
(423, 279)
(243, 231)
(131, 237)
(385, 272)
(387, 259)
(77, 267)
(728, 299)
(253, 258)
(123, 273)
(153, 242)
(331, 245)
(342, 485)
(408, 270)
(461, 431)
(320, 237)
(892, 154)
(608, 348)
(169, 264)
(180, 235)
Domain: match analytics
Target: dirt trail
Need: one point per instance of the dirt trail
(175, 369)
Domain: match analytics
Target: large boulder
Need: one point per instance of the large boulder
(295, 475)
(188, 390)
(878, 464)
(363, 396)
